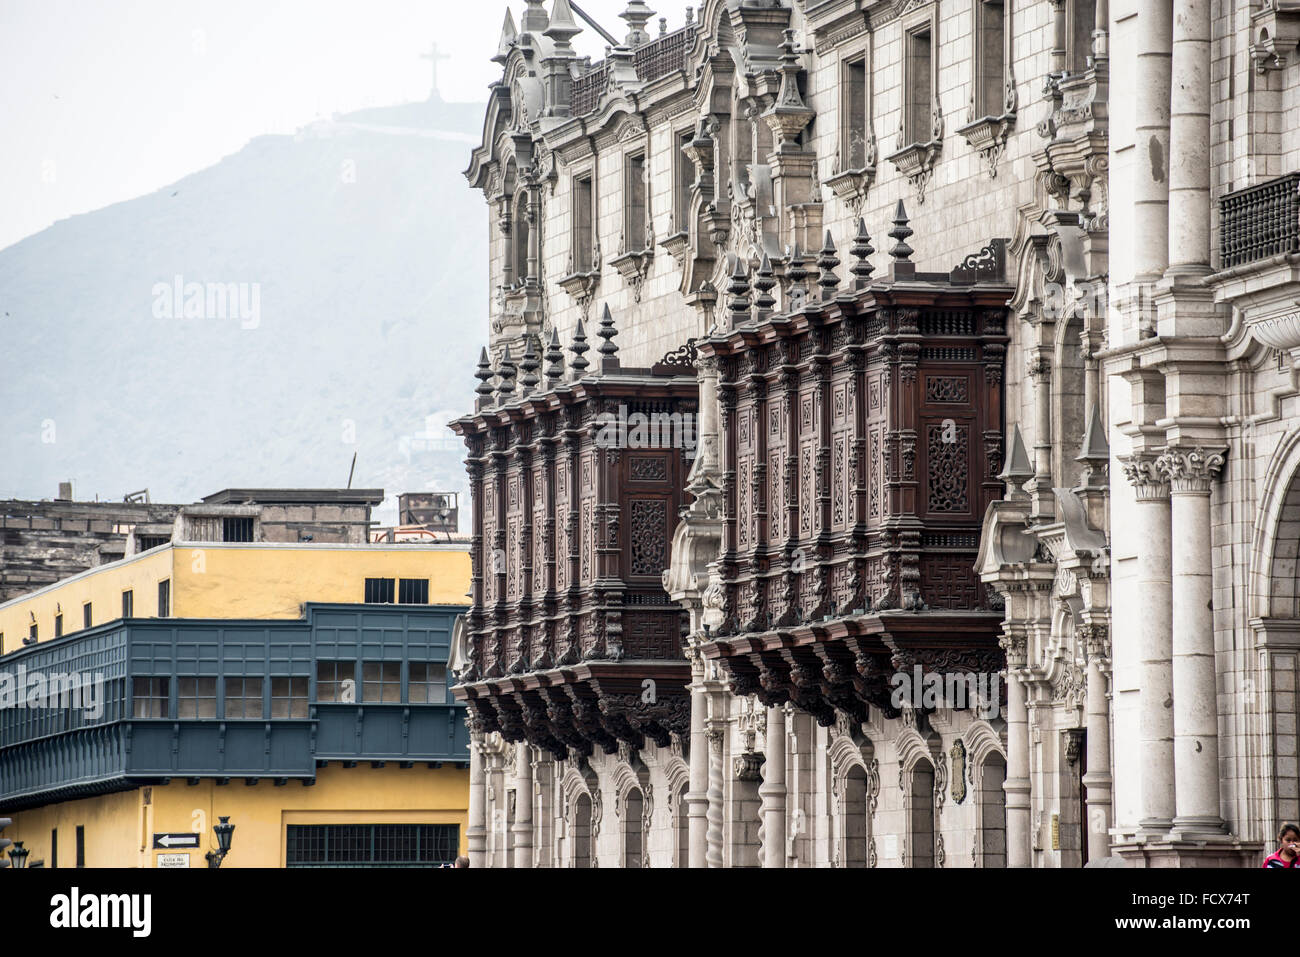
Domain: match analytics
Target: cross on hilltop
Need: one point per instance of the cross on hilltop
(434, 56)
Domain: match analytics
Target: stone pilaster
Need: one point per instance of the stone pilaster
(1191, 474)
(697, 799)
(476, 833)
(1156, 720)
(522, 829)
(1097, 779)
(1151, 136)
(772, 790)
(1017, 785)
(1189, 140)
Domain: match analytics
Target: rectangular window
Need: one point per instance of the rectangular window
(128, 604)
(236, 529)
(58, 626)
(382, 682)
(371, 845)
(413, 591)
(244, 698)
(150, 697)
(336, 681)
(86, 615)
(289, 697)
(146, 542)
(685, 181)
(164, 598)
(854, 121)
(990, 58)
(584, 198)
(1082, 21)
(379, 591)
(196, 698)
(428, 683)
(634, 206)
(81, 845)
(918, 90)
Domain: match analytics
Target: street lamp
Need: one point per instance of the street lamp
(18, 854)
(223, 830)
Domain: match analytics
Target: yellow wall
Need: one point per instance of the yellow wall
(102, 587)
(120, 827)
(252, 581)
(236, 581)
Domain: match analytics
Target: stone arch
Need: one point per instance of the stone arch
(678, 774)
(1273, 585)
(1069, 417)
(855, 785)
(918, 807)
(633, 802)
(579, 817)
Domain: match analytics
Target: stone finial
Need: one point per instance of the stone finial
(529, 365)
(860, 250)
(1017, 470)
(764, 282)
(485, 375)
(738, 289)
(506, 372)
(608, 351)
(826, 262)
(1095, 453)
(509, 36)
(563, 28)
(797, 272)
(637, 15)
(554, 360)
(901, 251)
(579, 364)
(534, 19)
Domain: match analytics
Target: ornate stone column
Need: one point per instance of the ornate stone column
(772, 790)
(1151, 165)
(522, 830)
(1155, 645)
(715, 733)
(1038, 368)
(1096, 641)
(1191, 473)
(697, 799)
(1189, 140)
(476, 833)
(1016, 786)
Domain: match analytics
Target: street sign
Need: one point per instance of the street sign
(173, 860)
(168, 842)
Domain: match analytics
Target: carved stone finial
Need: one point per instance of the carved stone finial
(608, 351)
(739, 292)
(764, 282)
(509, 36)
(506, 372)
(554, 360)
(637, 15)
(860, 250)
(563, 28)
(484, 374)
(1095, 454)
(579, 364)
(529, 365)
(1017, 470)
(826, 262)
(534, 19)
(901, 251)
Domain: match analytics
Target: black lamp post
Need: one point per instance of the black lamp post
(224, 830)
(18, 854)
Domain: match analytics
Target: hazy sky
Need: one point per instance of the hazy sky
(105, 100)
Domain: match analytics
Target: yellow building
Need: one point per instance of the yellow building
(298, 689)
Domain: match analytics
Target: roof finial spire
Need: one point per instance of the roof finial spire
(826, 262)
(485, 375)
(738, 289)
(764, 283)
(901, 251)
(608, 351)
(529, 364)
(860, 250)
(579, 364)
(506, 370)
(563, 28)
(509, 36)
(535, 19)
(637, 15)
(554, 360)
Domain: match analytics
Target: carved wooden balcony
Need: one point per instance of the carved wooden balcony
(862, 439)
(572, 641)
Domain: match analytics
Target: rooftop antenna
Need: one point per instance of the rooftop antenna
(353, 469)
(608, 37)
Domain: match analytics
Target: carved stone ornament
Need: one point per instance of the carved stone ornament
(958, 786)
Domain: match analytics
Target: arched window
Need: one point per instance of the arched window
(993, 812)
(520, 238)
(920, 815)
(580, 831)
(633, 832)
(856, 833)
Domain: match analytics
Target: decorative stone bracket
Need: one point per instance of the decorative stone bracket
(850, 186)
(988, 135)
(917, 160)
(634, 267)
(1274, 34)
(582, 287)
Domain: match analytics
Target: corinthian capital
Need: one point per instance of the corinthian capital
(1190, 470)
(1143, 473)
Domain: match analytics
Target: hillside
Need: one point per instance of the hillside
(358, 254)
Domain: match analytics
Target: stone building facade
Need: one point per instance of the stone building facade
(864, 249)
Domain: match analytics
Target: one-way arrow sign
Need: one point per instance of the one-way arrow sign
(168, 841)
